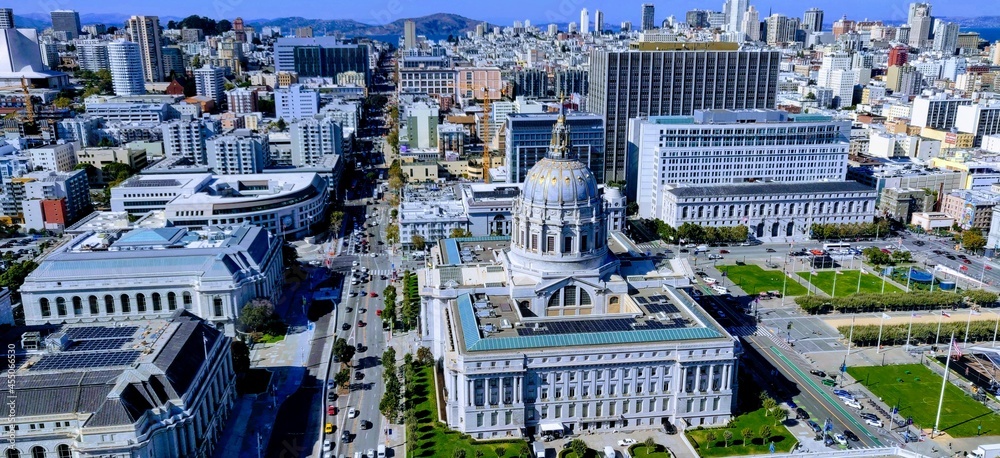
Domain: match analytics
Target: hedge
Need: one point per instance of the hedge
(916, 300)
(922, 333)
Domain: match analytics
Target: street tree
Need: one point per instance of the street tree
(392, 234)
(710, 439)
(418, 241)
(343, 350)
(727, 436)
(973, 240)
(336, 221)
(747, 434)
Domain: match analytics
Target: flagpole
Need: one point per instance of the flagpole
(908, 331)
(878, 346)
(861, 272)
(968, 323)
(909, 273)
(937, 338)
(784, 282)
(850, 338)
(944, 383)
(834, 283)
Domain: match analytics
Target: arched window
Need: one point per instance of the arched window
(187, 300)
(95, 308)
(109, 304)
(584, 297)
(13, 453)
(156, 302)
(126, 304)
(554, 299)
(61, 306)
(63, 451)
(77, 306)
(37, 452)
(172, 301)
(43, 305)
(140, 303)
(217, 306)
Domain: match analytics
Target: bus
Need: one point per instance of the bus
(836, 246)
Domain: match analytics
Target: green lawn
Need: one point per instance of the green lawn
(753, 280)
(436, 440)
(960, 415)
(639, 451)
(270, 339)
(783, 440)
(847, 282)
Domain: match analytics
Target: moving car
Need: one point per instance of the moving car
(345, 326)
(361, 324)
(817, 373)
(840, 439)
(365, 424)
(328, 428)
(769, 250)
(851, 436)
(352, 412)
(801, 414)
(723, 251)
(331, 409)
(626, 442)
(359, 375)
(346, 437)
(876, 422)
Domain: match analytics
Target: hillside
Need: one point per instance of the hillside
(432, 25)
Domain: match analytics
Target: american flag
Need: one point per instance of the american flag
(954, 347)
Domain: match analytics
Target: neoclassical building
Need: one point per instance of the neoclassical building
(158, 388)
(559, 328)
(150, 273)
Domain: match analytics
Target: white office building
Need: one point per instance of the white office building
(547, 331)
(287, 204)
(936, 110)
(210, 82)
(716, 147)
(54, 158)
(981, 120)
(237, 153)
(159, 387)
(151, 273)
(296, 102)
(126, 68)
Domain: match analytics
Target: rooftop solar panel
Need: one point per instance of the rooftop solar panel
(100, 332)
(99, 344)
(69, 361)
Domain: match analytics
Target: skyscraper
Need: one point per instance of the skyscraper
(920, 22)
(66, 21)
(6, 18)
(584, 22)
(751, 24)
(639, 82)
(946, 37)
(409, 34)
(125, 60)
(599, 21)
(209, 81)
(812, 21)
(647, 17)
(734, 11)
(696, 18)
(145, 31)
(780, 29)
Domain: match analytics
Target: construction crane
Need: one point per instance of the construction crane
(29, 105)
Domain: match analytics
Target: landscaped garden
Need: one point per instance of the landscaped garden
(751, 432)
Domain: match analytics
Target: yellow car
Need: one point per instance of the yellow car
(328, 429)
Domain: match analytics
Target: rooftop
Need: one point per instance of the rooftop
(772, 188)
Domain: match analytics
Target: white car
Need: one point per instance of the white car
(327, 446)
(852, 403)
(370, 453)
(626, 442)
(874, 422)
(355, 263)
(710, 280)
(840, 439)
(352, 412)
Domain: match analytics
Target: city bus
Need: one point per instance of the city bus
(836, 246)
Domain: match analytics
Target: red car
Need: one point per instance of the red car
(723, 251)
(967, 261)
(373, 294)
(361, 324)
(331, 410)
(378, 313)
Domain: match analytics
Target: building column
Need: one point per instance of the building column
(711, 377)
(454, 387)
(500, 390)
(471, 391)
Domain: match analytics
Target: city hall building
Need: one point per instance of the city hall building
(564, 327)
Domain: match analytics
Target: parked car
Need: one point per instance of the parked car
(852, 403)
(851, 436)
(328, 428)
(814, 426)
(626, 442)
(331, 409)
(769, 250)
(840, 439)
(867, 415)
(876, 422)
(801, 414)
(818, 373)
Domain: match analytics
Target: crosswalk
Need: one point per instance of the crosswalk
(748, 331)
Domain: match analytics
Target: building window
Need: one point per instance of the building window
(61, 306)
(550, 244)
(126, 304)
(36, 451)
(567, 244)
(13, 453)
(43, 305)
(63, 451)
(94, 307)
(140, 303)
(217, 306)
(157, 306)
(187, 299)
(77, 306)
(171, 301)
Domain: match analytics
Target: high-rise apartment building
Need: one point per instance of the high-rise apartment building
(599, 21)
(409, 34)
(981, 119)
(322, 56)
(187, 139)
(296, 102)
(92, 55)
(210, 82)
(842, 26)
(242, 100)
(920, 22)
(584, 21)
(237, 153)
(898, 55)
(780, 29)
(6, 18)
(125, 60)
(304, 32)
(696, 18)
(946, 37)
(734, 10)
(145, 31)
(812, 20)
(638, 82)
(315, 139)
(67, 21)
(647, 17)
(936, 111)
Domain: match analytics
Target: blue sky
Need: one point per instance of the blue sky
(540, 12)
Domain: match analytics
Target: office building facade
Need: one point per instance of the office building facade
(630, 84)
(66, 21)
(527, 141)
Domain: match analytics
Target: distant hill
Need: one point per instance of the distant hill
(43, 21)
(433, 25)
(977, 22)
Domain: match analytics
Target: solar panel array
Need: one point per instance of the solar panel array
(80, 360)
(151, 183)
(99, 344)
(658, 303)
(596, 326)
(100, 332)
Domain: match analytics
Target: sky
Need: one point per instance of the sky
(540, 12)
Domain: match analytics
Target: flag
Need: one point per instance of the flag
(945, 314)
(885, 316)
(954, 347)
